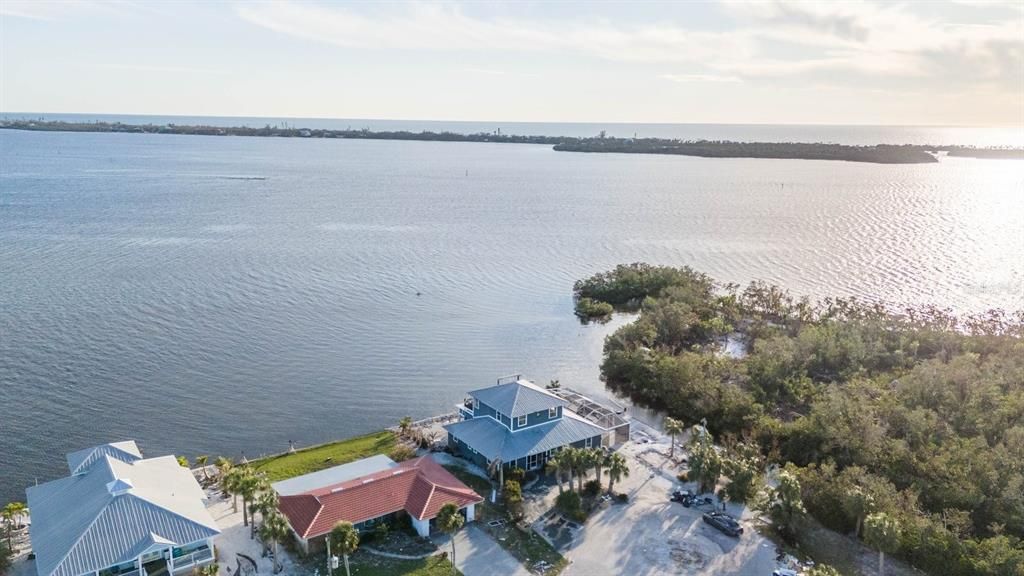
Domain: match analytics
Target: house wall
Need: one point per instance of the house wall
(463, 450)
(536, 418)
(483, 409)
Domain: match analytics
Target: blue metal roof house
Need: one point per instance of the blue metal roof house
(119, 514)
(517, 424)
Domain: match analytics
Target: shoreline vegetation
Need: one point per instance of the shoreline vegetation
(913, 419)
(877, 154)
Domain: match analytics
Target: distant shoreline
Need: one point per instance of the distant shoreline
(876, 154)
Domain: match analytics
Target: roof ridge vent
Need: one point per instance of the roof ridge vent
(119, 486)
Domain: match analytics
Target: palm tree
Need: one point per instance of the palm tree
(673, 428)
(571, 457)
(260, 489)
(223, 465)
(404, 425)
(600, 460)
(183, 461)
(230, 481)
(882, 533)
(201, 462)
(617, 469)
(450, 521)
(275, 529)
(345, 540)
(554, 467)
(10, 513)
(584, 462)
(265, 503)
(248, 484)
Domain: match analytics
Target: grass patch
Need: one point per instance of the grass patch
(366, 564)
(526, 546)
(325, 455)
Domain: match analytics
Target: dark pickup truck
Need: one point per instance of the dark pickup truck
(724, 523)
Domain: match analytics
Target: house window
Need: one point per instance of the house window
(553, 412)
(589, 443)
(521, 421)
(476, 404)
(531, 461)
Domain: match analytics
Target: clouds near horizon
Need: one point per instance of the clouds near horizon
(967, 56)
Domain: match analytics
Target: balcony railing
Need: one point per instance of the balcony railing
(190, 560)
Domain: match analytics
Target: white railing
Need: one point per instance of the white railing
(190, 560)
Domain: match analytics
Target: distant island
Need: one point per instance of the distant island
(877, 154)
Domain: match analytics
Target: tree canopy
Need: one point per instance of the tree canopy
(916, 413)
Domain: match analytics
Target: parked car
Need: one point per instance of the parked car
(724, 523)
(680, 495)
(784, 572)
(684, 497)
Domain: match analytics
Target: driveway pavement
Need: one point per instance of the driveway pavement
(477, 554)
(651, 536)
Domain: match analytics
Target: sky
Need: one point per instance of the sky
(950, 62)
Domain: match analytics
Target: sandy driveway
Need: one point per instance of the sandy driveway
(651, 535)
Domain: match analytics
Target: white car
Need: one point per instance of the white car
(785, 572)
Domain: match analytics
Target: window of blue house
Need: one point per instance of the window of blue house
(521, 421)
(553, 412)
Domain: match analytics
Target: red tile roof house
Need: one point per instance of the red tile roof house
(314, 503)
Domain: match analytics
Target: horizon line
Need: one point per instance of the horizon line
(581, 122)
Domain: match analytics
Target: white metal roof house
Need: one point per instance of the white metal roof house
(519, 424)
(120, 514)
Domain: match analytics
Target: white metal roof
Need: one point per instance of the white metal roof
(80, 461)
(106, 514)
(335, 475)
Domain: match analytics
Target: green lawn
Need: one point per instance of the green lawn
(364, 564)
(527, 546)
(326, 455)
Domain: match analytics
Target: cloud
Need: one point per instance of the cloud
(52, 10)
(163, 69)
(683, 78)
(445, 27)
(30, 10)
(858, 40)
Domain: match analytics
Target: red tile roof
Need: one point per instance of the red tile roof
(419, 486)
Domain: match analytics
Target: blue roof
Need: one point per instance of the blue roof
(492, 440)
(517, 398)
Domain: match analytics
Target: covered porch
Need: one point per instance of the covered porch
(164, 558)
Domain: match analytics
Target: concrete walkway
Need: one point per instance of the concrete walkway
(477, 554)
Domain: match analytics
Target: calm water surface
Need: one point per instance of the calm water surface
(148, 291)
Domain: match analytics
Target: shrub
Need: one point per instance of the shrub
(516, 474)
(590, 308)
(380, 531)
(622, 497)
(683, 477)
(514, 500)
(570, 504)
(401, 453)
(592, 488)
